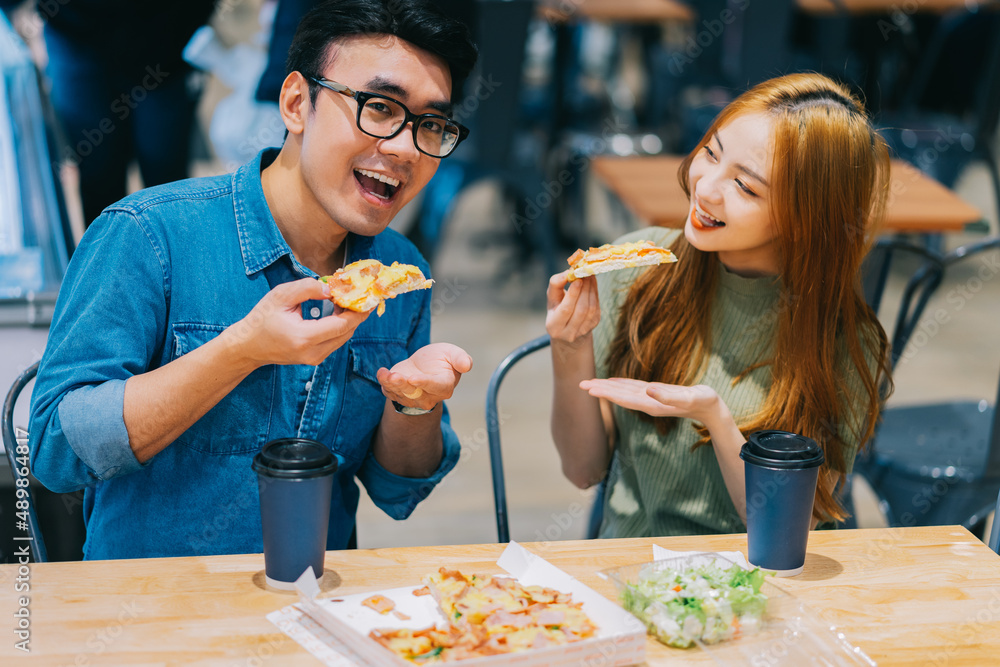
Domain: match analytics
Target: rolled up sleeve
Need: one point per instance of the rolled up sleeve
(398, 496)
(106, 328)
(94, 427)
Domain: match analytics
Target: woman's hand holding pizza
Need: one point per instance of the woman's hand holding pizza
(274, 332)
(428, 377)
(699, 403)
(572, 313)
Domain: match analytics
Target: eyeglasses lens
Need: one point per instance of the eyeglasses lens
(382, 117)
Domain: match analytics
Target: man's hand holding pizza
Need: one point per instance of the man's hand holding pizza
(275, 332)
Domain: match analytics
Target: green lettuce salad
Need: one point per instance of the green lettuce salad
(706, 603)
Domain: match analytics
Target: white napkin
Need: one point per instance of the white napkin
(659, 553)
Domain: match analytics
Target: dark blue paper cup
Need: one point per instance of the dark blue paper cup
(781, 473)
(295, 480)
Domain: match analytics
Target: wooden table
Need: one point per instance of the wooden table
(857, 7)
(648, 187)
(620, 11)
(906, 596)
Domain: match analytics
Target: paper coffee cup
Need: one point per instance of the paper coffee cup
(295, 480)
(781, 469)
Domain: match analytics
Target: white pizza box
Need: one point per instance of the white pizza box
(620, 640)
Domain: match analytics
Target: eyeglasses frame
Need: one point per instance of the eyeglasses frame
(362, 97)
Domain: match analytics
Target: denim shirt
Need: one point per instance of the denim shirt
(157, 275)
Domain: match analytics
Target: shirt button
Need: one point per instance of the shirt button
(309, 385)
(315, 312)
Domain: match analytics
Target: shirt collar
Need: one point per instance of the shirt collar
(261, 242)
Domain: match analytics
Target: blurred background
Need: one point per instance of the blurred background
(93, 105)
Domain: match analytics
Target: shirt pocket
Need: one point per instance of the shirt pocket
(237, 424)
(363, 397)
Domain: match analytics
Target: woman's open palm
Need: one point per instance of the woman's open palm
(657, 399)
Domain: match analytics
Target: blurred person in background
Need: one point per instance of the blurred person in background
(287, 16)
(121, 90)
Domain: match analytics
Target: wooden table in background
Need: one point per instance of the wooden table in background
(648, 187)
(857, 7)
(622, 11)
(906, 596)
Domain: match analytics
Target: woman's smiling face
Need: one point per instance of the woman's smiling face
(730, 207)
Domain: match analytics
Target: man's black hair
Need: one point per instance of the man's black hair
(416, 21)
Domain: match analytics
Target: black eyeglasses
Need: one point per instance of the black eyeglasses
(383, 117)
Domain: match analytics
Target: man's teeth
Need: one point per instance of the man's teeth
(380, 177)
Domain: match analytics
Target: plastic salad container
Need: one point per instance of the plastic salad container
(736, 615)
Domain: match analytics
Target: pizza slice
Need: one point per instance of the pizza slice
(489, 615)
(367, 283)
(609, 257)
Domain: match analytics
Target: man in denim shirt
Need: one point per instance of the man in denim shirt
(191, 329)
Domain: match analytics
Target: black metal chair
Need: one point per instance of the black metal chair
(493, 430)
(934, 464)
(918, 290)
(16, 449)
(61, 513)
(496, 454)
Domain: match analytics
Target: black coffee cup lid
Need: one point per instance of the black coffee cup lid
(298, 458)
(781, 449)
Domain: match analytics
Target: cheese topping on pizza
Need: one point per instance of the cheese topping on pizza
(367, 283)
(488, 616)
(609, 257)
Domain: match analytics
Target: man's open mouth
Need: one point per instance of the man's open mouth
(703, 220)
(376, 184)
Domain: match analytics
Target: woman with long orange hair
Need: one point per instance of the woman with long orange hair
(662, 372)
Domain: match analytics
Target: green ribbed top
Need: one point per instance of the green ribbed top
(657, 485)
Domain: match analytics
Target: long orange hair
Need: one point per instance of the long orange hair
(829, 182)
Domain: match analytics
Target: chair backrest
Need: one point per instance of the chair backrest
(493, 430)
(58, 514)
(919, 288)
(17, 455)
